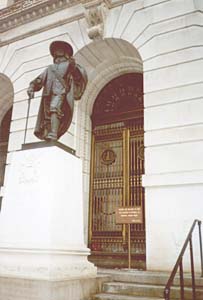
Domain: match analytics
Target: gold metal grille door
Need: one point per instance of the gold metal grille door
(117, 166)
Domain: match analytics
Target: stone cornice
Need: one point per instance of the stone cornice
(92, 3)
(26, 11)
(41, 29)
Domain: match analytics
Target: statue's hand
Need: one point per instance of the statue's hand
(30, 93)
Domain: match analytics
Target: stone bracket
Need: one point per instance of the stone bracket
(95, 14)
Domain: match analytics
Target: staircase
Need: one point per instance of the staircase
(143, 285)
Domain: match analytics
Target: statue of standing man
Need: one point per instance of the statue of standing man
(63, 82)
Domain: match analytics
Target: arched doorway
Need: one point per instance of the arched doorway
(4, 136)
(117, 165)
(6, 104)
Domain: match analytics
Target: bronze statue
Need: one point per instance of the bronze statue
(63, 82)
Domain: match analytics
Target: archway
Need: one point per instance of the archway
(4, 137)
(104, 60)
(6, 95)
(117, 161)
(6, 104)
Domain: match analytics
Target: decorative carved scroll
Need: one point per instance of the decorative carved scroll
(96, 13)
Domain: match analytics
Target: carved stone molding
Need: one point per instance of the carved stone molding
(96, 13)
(26, 11)
(105, 73)
(6, 95)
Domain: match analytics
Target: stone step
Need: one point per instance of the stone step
(147, 277)
(120, 297)
(147, 290)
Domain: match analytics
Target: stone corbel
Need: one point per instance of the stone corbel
(95, 14)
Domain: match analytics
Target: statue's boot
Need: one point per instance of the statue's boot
(55, 122)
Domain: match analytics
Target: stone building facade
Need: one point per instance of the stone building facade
(162, 40)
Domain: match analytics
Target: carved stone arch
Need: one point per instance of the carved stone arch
(103, 74)
(6, 95)
(6, 104)
(108, 71)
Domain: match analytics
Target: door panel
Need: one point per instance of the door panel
(107, 190)
(117, 168)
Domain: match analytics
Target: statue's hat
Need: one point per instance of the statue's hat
(61, 45)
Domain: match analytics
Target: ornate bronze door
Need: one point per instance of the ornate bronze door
(117, 165)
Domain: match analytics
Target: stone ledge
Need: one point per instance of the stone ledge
(45, 144)
(23, 289)
(173, 179)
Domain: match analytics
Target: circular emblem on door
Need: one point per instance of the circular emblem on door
(140, 153)
(108, 157)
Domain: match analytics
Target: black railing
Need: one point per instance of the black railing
(179, 265)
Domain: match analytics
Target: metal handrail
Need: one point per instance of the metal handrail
(179, 264)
